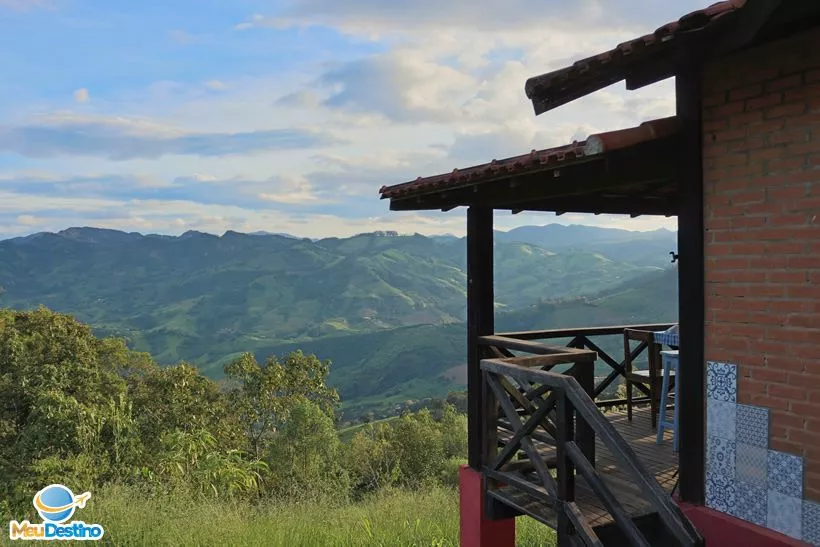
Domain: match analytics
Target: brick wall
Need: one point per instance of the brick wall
(762, 216)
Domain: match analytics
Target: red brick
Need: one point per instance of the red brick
(787, 420)
(745, 92)
(805, 409)
(768, 375)
(803, 92)
(770, 99)
(786, 193)
(785, 82)
(786, 110)
(785, 165)
(804, 437)
(784, 446)
(716, 99)
(786, 277)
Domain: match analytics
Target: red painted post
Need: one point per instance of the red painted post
(476, 530)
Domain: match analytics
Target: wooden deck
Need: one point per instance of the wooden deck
(659, 460)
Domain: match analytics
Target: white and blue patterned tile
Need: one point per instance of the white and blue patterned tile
(784, 514)
(752, 425)
(785, 473)
(721, 417)
(751, 464)
(720, 493)
(720, 458)
(721, 381)
(751, 503)
(811, 522)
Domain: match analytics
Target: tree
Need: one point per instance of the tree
(266, 394)
(64, 414)
(304, 455)
(179, 398)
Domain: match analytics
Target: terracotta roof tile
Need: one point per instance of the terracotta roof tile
(536, 159)
(548, 87)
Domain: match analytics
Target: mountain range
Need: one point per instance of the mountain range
(388, 310)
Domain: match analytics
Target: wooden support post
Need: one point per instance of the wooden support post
(565, 468)
(585, 374)
(480, 322)
(691, 386)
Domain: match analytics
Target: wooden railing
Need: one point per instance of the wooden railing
(501, 345)
(547, 412)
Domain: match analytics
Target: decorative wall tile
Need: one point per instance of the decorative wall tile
(752, 425)
(720, 493)
(751, 464)
(720, 419)
(720, 458)
(785, 474)
(784, 514)
(751, 503)
(811, 522)
(721, 381)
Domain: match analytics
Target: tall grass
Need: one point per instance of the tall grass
(393, 518)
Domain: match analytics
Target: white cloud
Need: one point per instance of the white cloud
(305, 150)
(119, 138)
(215, 85)
(81, 96)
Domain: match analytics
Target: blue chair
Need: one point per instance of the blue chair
(670, 369)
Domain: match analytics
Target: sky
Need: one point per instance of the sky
(162, 116)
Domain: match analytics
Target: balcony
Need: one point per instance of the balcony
(558, 443)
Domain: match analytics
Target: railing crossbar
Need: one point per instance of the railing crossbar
(520, 432)
(573, 400)
(526, 444)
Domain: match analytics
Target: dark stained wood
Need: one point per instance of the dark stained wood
(601, 205)
(691, 293)
(622, 519)
(564, 465)
(580, 331)
(480, 322)
(659, 460)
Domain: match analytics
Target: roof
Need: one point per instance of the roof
(537, 160)
(559, 87)
(614, 158)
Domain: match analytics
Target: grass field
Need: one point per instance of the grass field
(394, 519)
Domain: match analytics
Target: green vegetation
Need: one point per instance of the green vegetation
(387, 310)
(390, 518)
(172, 459)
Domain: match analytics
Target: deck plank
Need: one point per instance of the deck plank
(659, 459)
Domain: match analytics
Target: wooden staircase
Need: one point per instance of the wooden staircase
(593, 494)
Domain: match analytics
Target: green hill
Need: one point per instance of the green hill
(388, 310)
(375, 371)
(202, 298)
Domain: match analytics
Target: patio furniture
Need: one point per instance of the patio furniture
(670, 368)
(650, 379)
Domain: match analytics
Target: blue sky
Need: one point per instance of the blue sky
(166, 116)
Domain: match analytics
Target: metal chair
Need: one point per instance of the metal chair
(670, 368)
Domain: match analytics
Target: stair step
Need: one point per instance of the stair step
(650, 526)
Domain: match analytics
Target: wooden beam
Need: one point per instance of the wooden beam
(600, 205)
(480, 322)
(645, 163)
(691, 377)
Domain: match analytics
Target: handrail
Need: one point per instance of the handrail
(532, 342)
(581, 331)
(570, 455)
